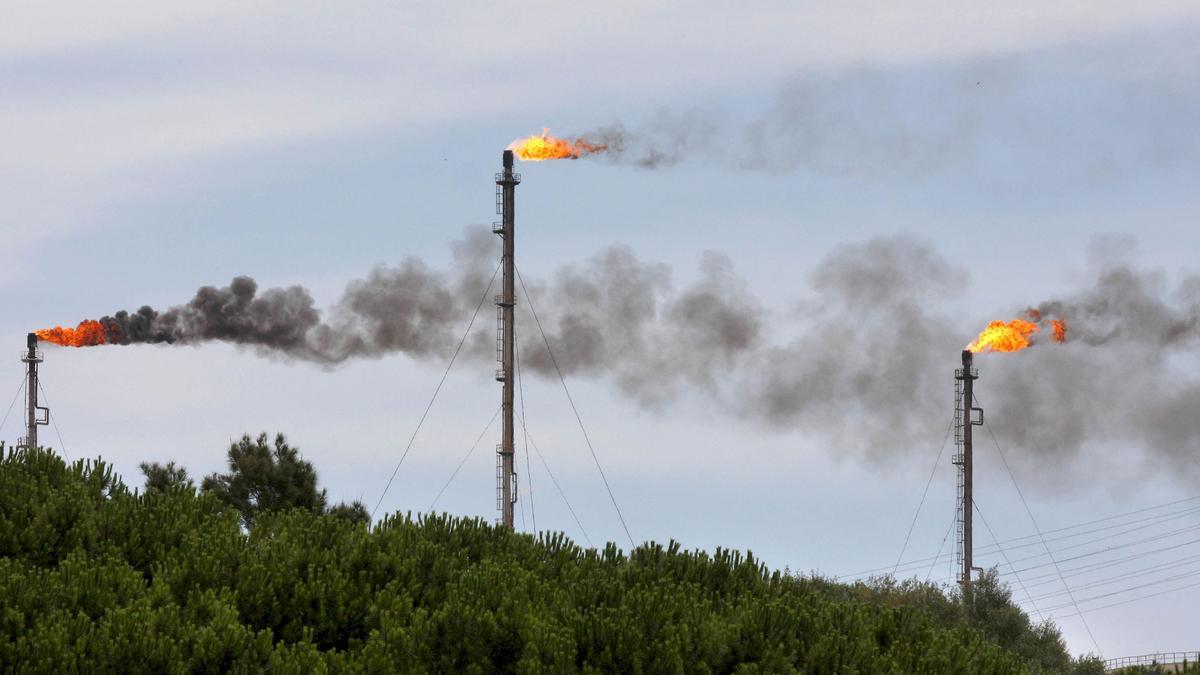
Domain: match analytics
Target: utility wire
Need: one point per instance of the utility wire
(943, 545)
(1127, 559)
(1152, 521)
(1149, 522)
(919, 563)
(1191, 560)
(1192, 509)
(558, 487)
(20, 388)
(54, 421)
(574, 409)
(1110, 594)
(1094, 567)
(1146, 540)
(924, 493)
(465, 458)
(1036, 529)
(522, 514)
(1010, 565)
(437, 390)
(525, 431)
(1139, 598)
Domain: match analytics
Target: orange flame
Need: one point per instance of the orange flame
(1004, 337)
(1016, 335)
(89, 333)
(1059, 326)
(541, 148)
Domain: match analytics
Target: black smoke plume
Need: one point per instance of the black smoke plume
(869, 368)
(408, 308)
(1010, 112)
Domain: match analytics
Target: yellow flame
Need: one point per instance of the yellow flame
(544, 147)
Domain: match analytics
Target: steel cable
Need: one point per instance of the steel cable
(574, 409)
(436, 391)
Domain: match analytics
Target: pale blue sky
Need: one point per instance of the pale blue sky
(151, 149)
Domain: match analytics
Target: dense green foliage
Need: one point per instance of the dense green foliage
(97, 577)
(166, 477)
(265, 478)
(988, 609)
(262, 478)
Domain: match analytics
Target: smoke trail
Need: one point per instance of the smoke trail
(666, 140)
(1126, 377)
(869, 370)
(1005, 112)
(407, 308)
(617, 316)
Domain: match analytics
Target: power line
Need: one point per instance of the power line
(464, 459)
(574, 409)
(1010, 565)
(919, 563)
(1093, 567)
(1115, 517)
(1126, 559)
(525, 431)
(436, 391)
(1157, 537)
(1190, 560)
(54, 421)
(20, 388)
(1139, 598)
(558, 487)
(943, 545)
(1110, 594)
(1149, 522)
(1103, 564)
(924, 493)
(1036, 529)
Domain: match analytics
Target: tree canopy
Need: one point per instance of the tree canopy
(266, 477)
(100, 578)
(166, 476)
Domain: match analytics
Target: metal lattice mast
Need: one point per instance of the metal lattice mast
(33, 419)
(964, 397)
(506, 477)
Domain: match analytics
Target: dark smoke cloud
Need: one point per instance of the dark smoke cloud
(869, 370)
(849, 122)
(617, 316)
(666, 140)
(407, 308)
(870, 367)
(1124, 377)
(1052, 109)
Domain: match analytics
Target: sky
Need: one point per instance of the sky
(986, 158)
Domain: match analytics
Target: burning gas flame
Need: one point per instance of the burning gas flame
(1059, 326)
(541, 148)
(89, 333)
(1004, 337)
(1015, 335)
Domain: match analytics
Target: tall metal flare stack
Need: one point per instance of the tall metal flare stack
(506, 477)
(964, 400)
(35, 415)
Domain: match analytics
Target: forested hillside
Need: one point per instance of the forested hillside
(96, 576)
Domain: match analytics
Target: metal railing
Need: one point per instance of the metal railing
(1159, 659)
